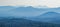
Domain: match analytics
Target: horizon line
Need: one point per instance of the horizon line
(34, 6)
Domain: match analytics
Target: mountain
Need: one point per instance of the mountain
(6, 6)
(51, 17)
(31, 11)
(26, 11)
(50, 14)
(23, 11)
(4, 10)
(21, 22)
(20, 11)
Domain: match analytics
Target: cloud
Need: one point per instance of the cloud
(7, 2)
(49, 3)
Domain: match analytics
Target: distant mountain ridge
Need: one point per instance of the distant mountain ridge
(51, 17)
(26, 11)
(47, 16)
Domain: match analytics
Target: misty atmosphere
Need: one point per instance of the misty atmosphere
(11, 16)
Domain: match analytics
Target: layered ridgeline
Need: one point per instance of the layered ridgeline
(33, 17)
(24, 11)
(51, 17)
(4, 10)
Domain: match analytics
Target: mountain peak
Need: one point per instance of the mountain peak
(50, 14)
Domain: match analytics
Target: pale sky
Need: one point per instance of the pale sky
(48, 3)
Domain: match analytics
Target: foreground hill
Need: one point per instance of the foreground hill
(20, 22)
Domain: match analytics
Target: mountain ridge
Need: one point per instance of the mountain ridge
(51, 17)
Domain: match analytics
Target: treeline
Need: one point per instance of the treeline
(20, 22)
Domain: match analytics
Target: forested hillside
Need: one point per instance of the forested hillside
(21, 22)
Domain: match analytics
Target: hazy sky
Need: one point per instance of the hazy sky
(49, 3)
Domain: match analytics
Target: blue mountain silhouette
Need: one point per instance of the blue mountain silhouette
(51, 17)
(27, 11)
(50, 14)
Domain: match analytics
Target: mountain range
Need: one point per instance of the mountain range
(36, 14)
(25, 11)
(51, 17)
